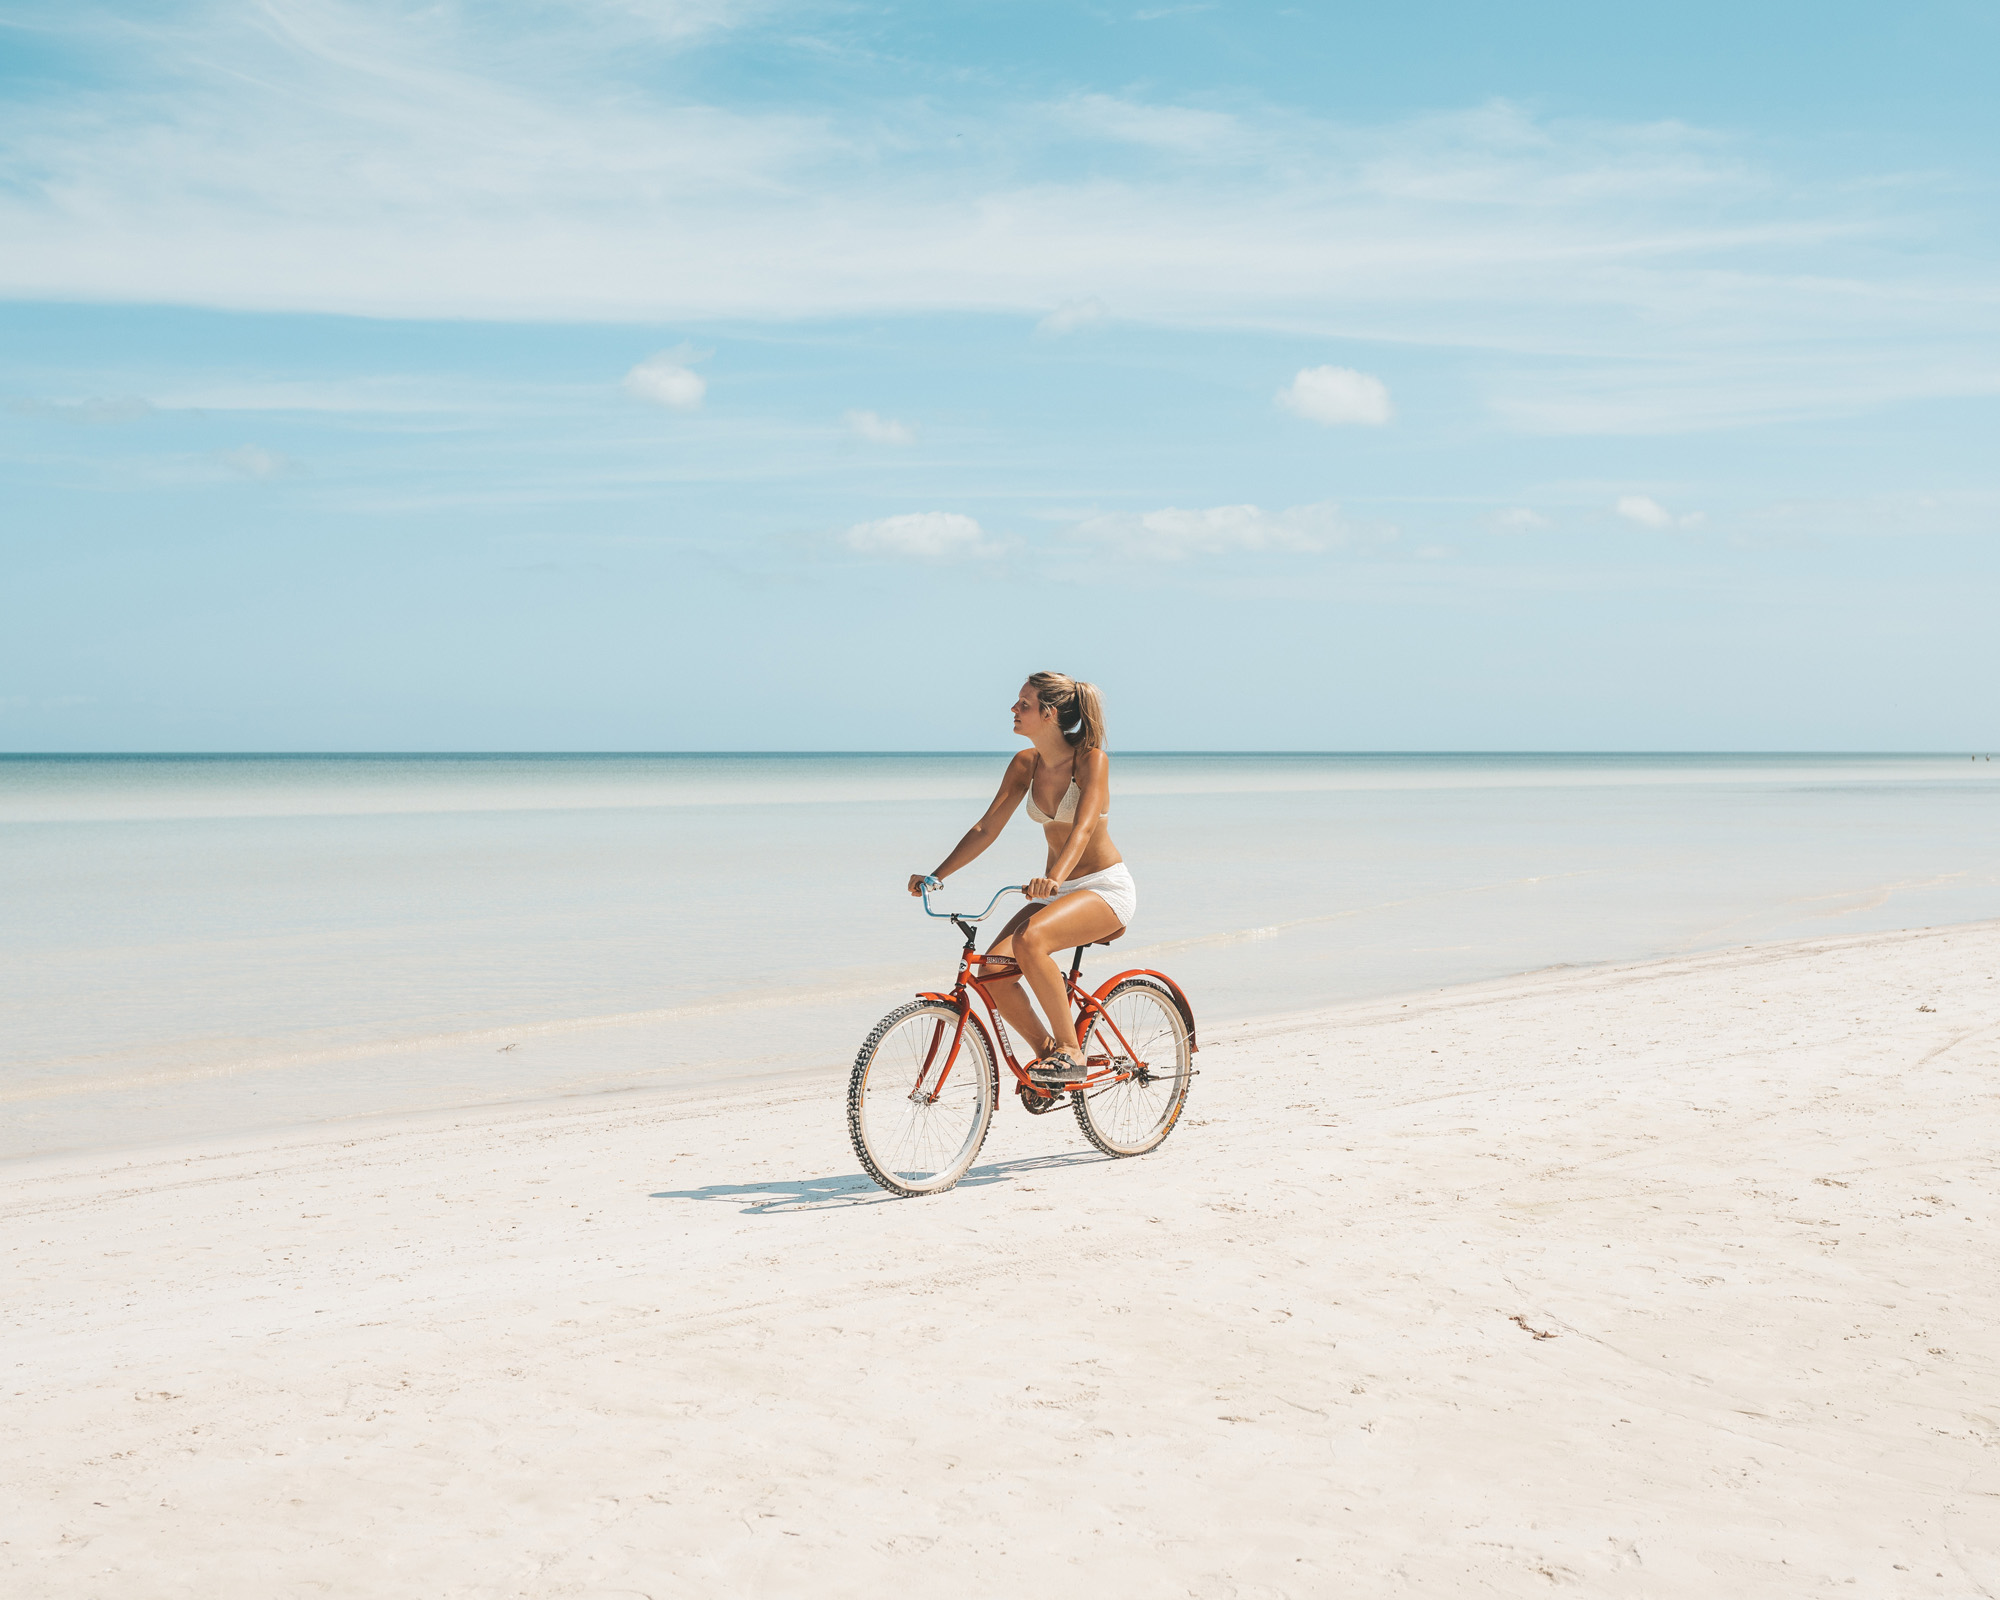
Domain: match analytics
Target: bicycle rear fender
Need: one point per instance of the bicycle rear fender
(1174, 989)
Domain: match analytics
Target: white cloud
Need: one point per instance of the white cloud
(879, 429)
(928, 535)
(1174, 534)
(1337, 395)
(255, 462)
(1077, 314)
(1644, 510)
(1519, 519)
(666, 380)
(1649, 513)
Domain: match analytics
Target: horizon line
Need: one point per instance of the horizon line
(214, 755)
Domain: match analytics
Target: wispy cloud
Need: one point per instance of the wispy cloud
(380, 396)
(924, 535)
(1076, 314)
(676, 20)
(1520, 519)
(1906, 515)
(1799, 364)
(1181, 130)
(115, 408)
(879, 429)
(1337, 396)
(258, 464)
(1175, 534)
(329, 155)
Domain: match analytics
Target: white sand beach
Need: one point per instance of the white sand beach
(1663, 1279)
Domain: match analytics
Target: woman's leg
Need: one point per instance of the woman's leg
(1013, 1005)
(1074, 919)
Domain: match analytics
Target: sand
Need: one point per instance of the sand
(1670, 1279)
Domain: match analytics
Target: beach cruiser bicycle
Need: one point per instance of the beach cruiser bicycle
(926, 1081)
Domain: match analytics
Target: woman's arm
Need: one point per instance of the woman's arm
(1093, 798)
(982, 833)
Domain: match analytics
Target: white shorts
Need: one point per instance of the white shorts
(1114, 886)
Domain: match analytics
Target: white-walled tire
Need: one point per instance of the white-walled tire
(1130, 1118)
(912, 1137)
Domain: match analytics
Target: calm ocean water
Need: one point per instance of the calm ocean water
(211, 944)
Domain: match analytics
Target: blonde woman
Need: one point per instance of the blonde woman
(1085, 893)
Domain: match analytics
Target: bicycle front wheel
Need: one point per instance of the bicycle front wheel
(1142, 1033)
(917, 1113)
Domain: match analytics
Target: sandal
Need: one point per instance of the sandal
(1056, 1070)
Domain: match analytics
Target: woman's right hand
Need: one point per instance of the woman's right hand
(917, 882)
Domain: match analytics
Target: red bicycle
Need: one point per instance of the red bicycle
(926, 1081)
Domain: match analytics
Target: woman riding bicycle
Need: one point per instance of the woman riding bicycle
(1086, 891)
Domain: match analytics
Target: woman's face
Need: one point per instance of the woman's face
(1028, 711)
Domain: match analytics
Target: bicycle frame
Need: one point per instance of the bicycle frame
(1100, 1071)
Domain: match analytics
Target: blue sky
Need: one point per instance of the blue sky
(624, 374)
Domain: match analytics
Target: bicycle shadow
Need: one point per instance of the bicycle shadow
(785, 1195)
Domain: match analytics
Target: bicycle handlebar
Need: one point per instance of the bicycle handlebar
(965, 916)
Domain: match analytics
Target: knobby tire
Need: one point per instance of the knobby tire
(1130, 1118)
(889, 1129)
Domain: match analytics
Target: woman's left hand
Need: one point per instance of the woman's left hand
(1042, 888)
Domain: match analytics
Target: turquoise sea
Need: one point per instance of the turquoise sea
(209, 944)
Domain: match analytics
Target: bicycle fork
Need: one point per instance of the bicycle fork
(918, 1094)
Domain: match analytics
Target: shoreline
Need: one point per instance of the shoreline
(260, 948)
(1653, 1278)
(694, 1084)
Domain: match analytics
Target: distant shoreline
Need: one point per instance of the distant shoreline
(244, 940)
(563, 755)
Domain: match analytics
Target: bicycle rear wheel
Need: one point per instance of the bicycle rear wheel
(1132, 1117)
(913, 1135)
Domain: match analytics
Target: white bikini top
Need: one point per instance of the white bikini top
(1066, 812)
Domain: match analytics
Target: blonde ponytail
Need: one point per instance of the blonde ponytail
(1078, 707)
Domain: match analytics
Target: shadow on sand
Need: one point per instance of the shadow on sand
(857, 1188)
